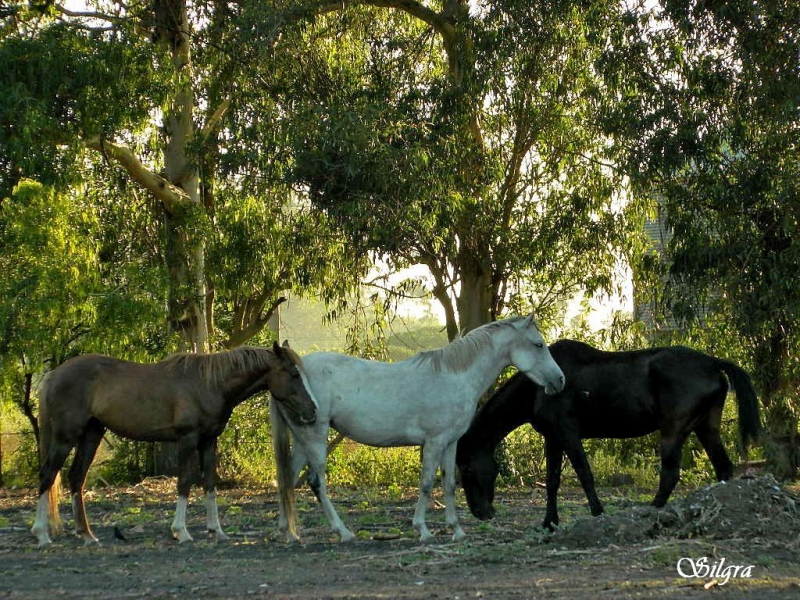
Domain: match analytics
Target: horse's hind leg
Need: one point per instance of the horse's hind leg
(449, 484)
(316, 461)
(84, 455)
(208, 463)
(48, 472)
(708, 434)
(187, 447)
(671, 448)
(583, 470)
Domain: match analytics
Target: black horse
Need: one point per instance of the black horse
(674, 390)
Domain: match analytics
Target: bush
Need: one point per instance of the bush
(352, 464)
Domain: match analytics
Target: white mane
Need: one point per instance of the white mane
(459, 354)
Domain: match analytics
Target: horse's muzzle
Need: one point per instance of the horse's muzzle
(554, 387)
(304, 420)
(483, 513)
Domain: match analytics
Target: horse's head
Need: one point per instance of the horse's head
(478, 472)
(288, 385)
(530, 354)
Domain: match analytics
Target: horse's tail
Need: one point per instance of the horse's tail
(749, 421)
(45, 437)
(283, 466)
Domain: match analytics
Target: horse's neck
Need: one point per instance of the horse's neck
(510, 407)
(247, 383)
(487, 366)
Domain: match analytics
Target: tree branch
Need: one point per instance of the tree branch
(216, 117)
(171, 196)
(88, 15)
(439, 23)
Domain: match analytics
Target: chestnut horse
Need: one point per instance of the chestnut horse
(187, 398)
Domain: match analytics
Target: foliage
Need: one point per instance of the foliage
(244, 448)
(211, 165)
(358, 465)
(712, 116)
(63, 86)
(491, 173)
(74, 284)
(51, 273)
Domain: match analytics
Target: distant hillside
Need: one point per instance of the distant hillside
(303, 324)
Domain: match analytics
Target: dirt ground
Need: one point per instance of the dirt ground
(633, 551)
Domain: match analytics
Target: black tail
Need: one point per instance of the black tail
(749, 421)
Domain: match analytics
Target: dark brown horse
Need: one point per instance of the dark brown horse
(673, 390)
(187, 398)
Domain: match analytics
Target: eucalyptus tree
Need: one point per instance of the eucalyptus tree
(462, 136)
(159, 92)
(73, 281)
(709, 114)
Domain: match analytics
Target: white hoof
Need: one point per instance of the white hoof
(220, 535)
(182, 536)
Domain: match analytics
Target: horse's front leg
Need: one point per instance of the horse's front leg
(316, 453)
(449, 484)
(577, 457)
(553, 455)
(187, 446)
(207, 449)
(431, 459)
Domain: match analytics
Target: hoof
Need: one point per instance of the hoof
(459, 535)
(42, 538)
(220, 535)
(426, 537)
(182, 536)
(346, 536)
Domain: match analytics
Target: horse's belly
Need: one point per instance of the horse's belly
(619, 426)
(376, 434)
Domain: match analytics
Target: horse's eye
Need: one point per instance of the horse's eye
(539, 345)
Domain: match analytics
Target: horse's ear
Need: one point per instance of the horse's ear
(285, 343)
(283, 353)
(529, 320)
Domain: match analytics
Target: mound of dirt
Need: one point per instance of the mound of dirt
(747, 508)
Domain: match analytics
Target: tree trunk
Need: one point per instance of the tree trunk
(185, 246)
(781, 443)
(27, 409)
(476, 296)
(185, 250)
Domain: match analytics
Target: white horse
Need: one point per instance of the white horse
(427, 400)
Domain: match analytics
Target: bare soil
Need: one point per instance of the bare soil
(632, 551)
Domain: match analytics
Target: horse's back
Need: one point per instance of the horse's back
(77, 375)
(608, 393)
(139, 401)
(683, 374)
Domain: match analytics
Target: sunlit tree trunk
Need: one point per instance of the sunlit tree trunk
(185, 250)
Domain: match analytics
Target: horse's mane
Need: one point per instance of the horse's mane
(215, 368)
(459, 354)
